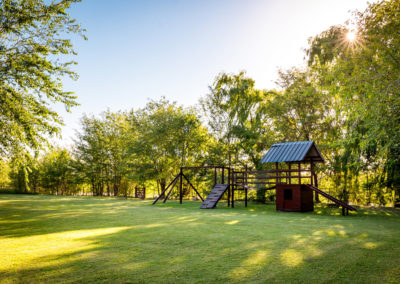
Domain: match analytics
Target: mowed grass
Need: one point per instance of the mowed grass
(57, 239)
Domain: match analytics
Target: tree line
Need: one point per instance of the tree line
(346, 98)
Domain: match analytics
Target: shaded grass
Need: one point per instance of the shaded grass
(84, 239)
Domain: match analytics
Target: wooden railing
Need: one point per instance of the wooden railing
(279, 176)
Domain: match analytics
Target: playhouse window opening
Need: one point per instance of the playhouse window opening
(287, 194)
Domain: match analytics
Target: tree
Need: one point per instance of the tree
(57, 173)
(301, 111)
(236, 115)
(164, 138)
(32, 49)
(101, 152)
(4, 175)
(363, 76)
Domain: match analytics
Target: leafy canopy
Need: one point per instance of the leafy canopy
(34, 57)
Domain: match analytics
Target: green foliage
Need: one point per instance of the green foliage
(57, 175)
(362, 76)
(34, 57)
(4, 175)
(101, 152)
(235, 112)
(164, 138)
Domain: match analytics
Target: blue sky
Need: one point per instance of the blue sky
(140, 50)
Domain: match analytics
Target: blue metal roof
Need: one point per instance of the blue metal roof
(292, 152)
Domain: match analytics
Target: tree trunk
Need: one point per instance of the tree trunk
(163, 183)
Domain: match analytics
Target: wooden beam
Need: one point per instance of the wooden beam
(315, 183)
(245, 190)
(258, 182)
(253, 188)
(269, 177)
(215, 176)
(230, 185)
(193, 187)
(163, 192)
(203, 167)
(180, 187)
(172, 187)
(299, 172)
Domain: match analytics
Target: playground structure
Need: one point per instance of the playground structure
(295, 184)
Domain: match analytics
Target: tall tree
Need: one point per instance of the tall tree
(165, 137)
(34, 57)
(363, 75)
(57, 172)
(101, 152)
(236, 114)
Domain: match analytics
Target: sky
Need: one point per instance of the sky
(142, 50)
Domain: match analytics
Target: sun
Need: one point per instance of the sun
(351, 36)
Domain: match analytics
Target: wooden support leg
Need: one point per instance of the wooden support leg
(343, 209)
(245, 198)
(229, 195)
(230, 185)
(316, 185)
(165, 190)
(172, 188)
(215, 176)
(181, 189)
(233, 198)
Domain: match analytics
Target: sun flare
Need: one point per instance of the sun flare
(351, 36)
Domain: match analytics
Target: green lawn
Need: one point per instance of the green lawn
(83, 239)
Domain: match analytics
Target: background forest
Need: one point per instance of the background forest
(346, 99)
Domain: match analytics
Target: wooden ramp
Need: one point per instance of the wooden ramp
(330, 197)
(214, 196)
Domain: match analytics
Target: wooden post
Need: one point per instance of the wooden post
(313, 174)
(215, 176)
(223, 175)
(169, 193)
(276, 173)
(233, 197)
(299, 173)
(230, 185)
(165, 190)
(245, 189)
(290, 173)
(180, 187)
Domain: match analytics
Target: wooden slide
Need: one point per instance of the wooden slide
(330, 197)
(215, 195)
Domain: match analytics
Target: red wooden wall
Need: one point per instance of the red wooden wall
(297, 198)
